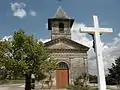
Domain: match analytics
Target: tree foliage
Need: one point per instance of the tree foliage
(22, 56)
(114, 73)
(80, 83)
(48, 67)
(93, 79)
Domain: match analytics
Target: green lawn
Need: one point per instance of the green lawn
(11, 81)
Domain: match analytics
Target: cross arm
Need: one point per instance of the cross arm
(93, 30)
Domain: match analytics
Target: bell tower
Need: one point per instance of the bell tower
(60, 25)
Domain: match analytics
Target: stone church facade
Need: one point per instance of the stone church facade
(71, 56)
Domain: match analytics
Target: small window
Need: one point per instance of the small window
(62, 65)
(61, 27)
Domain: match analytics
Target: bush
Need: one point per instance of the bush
(93, 79)
(77, 87)
(80, 83)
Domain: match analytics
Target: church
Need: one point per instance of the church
(71, 56)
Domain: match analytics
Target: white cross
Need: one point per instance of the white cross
(98, 49)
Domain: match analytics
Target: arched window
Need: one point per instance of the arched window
(61, 27)
(62, 65)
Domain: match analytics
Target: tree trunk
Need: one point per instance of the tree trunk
(28, 82)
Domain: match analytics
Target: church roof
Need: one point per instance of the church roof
(59, 16)
(68, 42)
(60, 13)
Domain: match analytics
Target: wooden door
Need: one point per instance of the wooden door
(62, 78)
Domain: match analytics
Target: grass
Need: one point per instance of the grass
(93, 88)
(11, 81)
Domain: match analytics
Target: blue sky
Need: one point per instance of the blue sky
(32, 16)
(81, 10)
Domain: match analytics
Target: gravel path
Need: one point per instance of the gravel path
(11, 88)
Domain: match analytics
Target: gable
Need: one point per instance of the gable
(61, 45)
(64, 43)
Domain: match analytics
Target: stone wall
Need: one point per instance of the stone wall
(76, 62)
(55, 30)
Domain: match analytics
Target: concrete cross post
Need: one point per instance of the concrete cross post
(98, 49)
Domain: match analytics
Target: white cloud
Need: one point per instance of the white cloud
(46, 25)
(119, 34)
(80, 37)
(18, 9)
(44, 40)
(110, 52)
(7, 38)
(32, 13)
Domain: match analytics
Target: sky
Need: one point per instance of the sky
(32, 16)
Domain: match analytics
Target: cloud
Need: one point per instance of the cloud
(80, 37)
(111, 51)
(11, 37)
(119, 34)
(44, 40)
(7, 38)
(32, 13)
(19, 10)
(46, 25)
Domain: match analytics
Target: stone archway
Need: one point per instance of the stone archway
(62, 75)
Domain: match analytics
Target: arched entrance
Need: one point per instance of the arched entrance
(62, 75)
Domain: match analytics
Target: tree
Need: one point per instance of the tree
(114, 73)
(80, 83)
(23, 56)
(93, 79)
(3, 70)
(49, 66)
